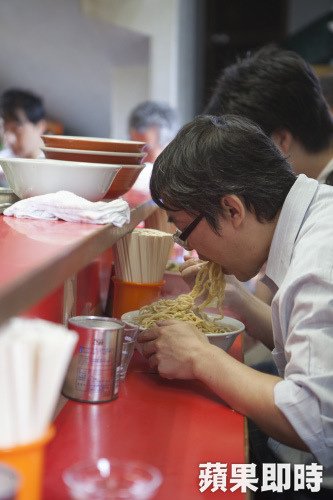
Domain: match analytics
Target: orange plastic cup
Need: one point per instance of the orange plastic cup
(131, 296)
(28, 460)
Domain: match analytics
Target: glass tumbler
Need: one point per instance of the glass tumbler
(130, 335)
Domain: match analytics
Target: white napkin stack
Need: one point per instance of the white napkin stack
(71, 208)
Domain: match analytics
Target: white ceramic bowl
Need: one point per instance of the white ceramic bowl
(28, 177)
(222, 340)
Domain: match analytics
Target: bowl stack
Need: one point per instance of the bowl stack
(126, 155)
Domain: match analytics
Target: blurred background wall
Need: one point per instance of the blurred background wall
(94, 60)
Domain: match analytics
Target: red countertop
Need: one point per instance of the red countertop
(36, 257)
(173, 425)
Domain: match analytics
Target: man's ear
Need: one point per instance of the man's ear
(283, 139)
(233, 208)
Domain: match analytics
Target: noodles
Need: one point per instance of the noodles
(209, 285)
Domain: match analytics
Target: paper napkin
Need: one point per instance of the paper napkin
(72, 208)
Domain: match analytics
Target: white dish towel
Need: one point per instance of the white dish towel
(72, 208)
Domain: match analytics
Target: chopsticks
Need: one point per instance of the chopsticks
(141, 256)
(34, 356)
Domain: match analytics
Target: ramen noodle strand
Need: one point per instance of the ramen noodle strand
(209, 286)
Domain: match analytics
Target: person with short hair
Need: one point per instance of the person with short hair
(251, 208)
(23, 123)
(278, 90)
(156, 124)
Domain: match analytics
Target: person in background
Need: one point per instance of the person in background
(23, 123)
(224, 177)
(156, 124)
(279, 91)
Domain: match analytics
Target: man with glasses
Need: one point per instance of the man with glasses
(279, 90)
(236, 201)
(180, 237)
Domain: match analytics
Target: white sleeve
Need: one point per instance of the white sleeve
(305, 396)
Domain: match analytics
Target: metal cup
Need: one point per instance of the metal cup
(93, 373)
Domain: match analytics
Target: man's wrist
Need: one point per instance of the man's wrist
(203, 360)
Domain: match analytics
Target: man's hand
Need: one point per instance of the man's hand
(172, 347)
(190, 269)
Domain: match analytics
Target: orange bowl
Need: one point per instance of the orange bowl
(123, 181)
(93, 156)
(92, 143)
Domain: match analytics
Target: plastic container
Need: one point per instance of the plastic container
(28, 461)
(129, 296)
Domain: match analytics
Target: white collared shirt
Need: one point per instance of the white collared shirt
(300, 271)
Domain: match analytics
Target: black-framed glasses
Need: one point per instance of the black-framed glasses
(180, 237)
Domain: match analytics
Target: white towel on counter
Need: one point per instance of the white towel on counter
(71, 208)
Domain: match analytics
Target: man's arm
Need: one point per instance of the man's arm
(263, 292)
(246, 390)
(255, 314)
(179, 350)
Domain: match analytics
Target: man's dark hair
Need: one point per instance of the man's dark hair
(155, 114)
(326, 83)
(276, 89)
(211, 157)
(14, 101)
